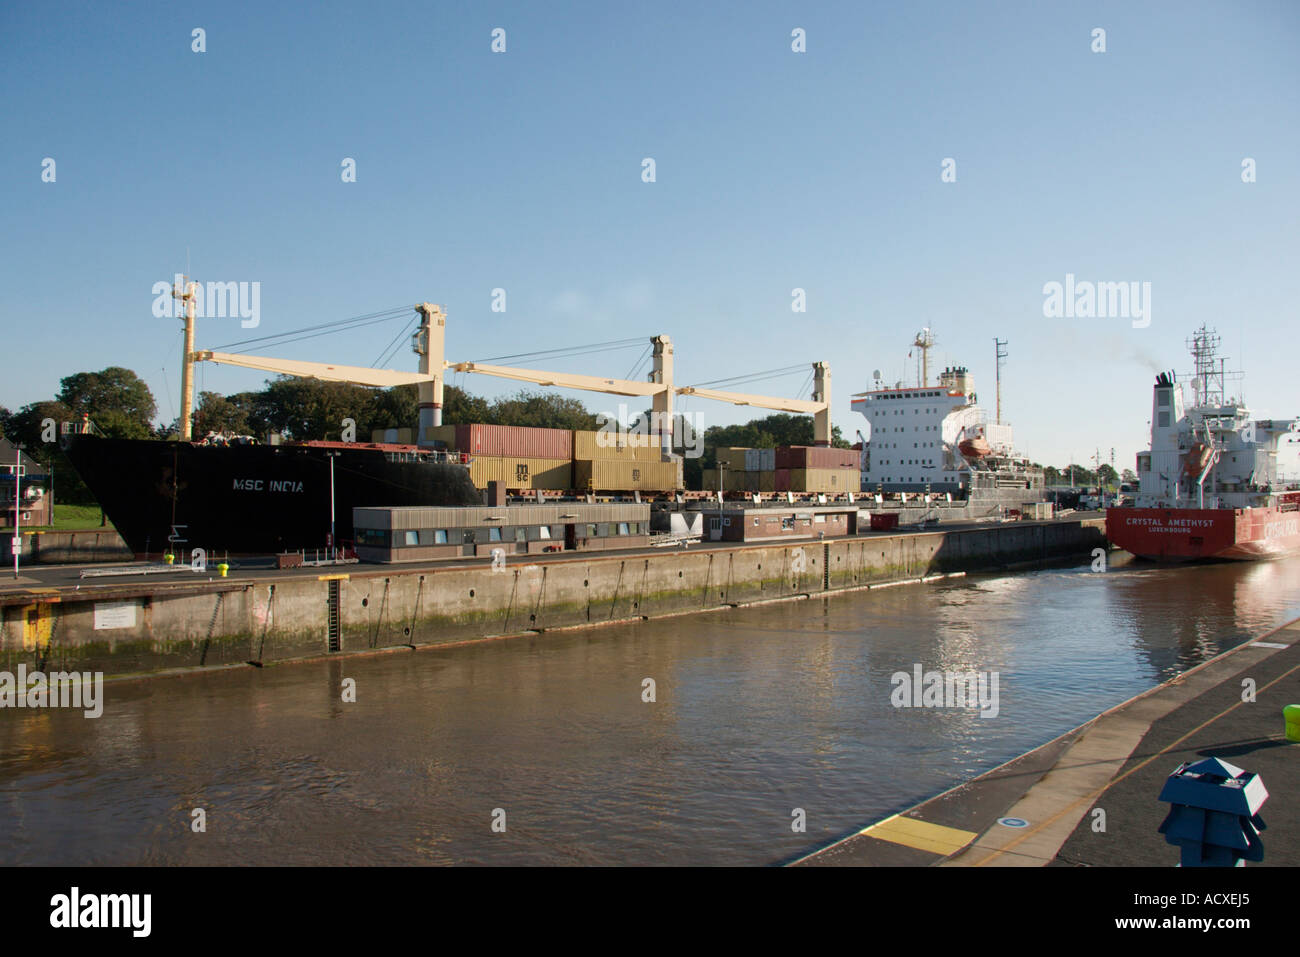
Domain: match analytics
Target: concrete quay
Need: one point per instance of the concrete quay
(1117, 764)
(53, 620)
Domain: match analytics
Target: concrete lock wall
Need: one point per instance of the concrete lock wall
(67, 548)
(207, 624)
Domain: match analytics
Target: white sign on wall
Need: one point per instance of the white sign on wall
(115, 614)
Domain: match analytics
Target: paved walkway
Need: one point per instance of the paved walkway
(1116, 763)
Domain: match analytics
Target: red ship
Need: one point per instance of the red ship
(1215, 484)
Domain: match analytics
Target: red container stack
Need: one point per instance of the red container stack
(815, 457)
(515, 440)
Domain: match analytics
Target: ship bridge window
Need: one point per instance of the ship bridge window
(1163, 420)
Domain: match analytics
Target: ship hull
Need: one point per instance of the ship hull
(1192, 534)
(251, 499)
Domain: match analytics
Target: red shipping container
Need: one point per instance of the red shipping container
(782, 481)
(881, 521)
(815, 457)
(516, 441)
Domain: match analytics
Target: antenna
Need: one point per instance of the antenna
(1210, 374)
(999, 346)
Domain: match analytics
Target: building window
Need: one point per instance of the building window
(411, 537)
(521, 534)
(494, 534)
(440, 536)
(622, 528)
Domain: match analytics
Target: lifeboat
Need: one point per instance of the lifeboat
(975, 448)
(1196, 458)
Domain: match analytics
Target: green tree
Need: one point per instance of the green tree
(115, 399)
(216, 413)
(541, 410)
(395, 408)
(307, 409)
(461, 408)
(27, 428)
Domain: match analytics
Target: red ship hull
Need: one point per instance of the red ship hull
(1189, 534)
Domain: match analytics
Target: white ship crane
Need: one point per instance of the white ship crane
(429, 344)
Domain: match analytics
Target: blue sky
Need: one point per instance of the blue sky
(774, 170)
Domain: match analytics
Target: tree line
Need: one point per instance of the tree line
(121, 405)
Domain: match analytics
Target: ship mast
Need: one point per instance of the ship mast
(1209, 380)
(924, 341)
(428, 344)
(186, 293)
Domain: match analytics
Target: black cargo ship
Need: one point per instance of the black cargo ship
(255, 499)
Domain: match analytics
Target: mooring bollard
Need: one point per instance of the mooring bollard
(222, 569)
(1291, 715)
(169, 558)
(1214, 816)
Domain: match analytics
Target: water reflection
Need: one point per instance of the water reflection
(758, 711)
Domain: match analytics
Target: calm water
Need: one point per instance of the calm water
(758, 711)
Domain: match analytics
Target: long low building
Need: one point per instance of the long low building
(419, 534)
(741, 523)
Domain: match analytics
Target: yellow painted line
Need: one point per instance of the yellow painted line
(1089, 799)
(331, 578)
(921, 835)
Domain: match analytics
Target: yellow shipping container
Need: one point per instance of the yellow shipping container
(825, 480)
(731, 457)
(619, 446)
(521, 473)
(441, 433)
(760, 481)
(616, 475)
(709, 480)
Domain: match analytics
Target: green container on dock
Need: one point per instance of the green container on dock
(1291, 715)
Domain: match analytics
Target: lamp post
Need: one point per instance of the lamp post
(332, 456)
(18, 505)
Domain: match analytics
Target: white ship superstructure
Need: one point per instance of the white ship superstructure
(937, 439)
(1211, 453)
